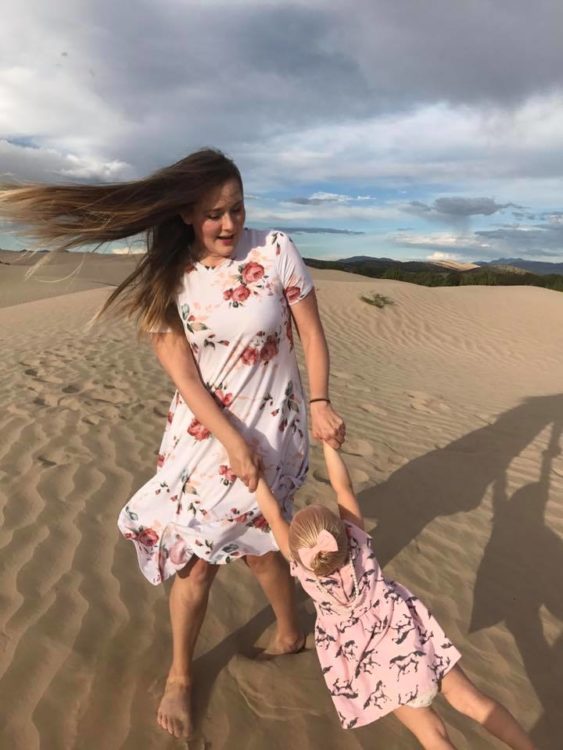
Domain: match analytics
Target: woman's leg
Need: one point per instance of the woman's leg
(462, 694)
(188, 603)
(427, 727)
(272, 572)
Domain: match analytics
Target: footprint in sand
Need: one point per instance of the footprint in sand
(46, 400)
(486, 418)
(358, 476)
(46, 462)
(71, 403)
(358, 448)
(280, 686)
(425, 403)
(378, 411)
(71, 389)
(341, 375)
(91, 419)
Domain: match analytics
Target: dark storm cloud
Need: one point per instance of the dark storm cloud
(538, 240)
(456, 208)
(164, 78)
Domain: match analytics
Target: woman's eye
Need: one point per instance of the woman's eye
(214, 217)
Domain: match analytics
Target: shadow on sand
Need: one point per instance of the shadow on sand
(523, 562)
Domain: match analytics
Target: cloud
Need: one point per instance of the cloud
(319, 230)
(457, 207)
(277, 84)
(26, 162)
(318, 198)
(436, 102)
(526, 241)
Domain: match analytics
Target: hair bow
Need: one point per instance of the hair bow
(325, 543)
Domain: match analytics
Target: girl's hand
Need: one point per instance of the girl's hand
(326, 425)
(245, 463)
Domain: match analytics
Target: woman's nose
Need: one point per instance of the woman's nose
(228, 222)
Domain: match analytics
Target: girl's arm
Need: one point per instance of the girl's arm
(271, 511)
(326, 424)
(348, 506)
(176, 357)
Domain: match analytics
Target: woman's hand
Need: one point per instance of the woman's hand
(245, 463)
(326, 425)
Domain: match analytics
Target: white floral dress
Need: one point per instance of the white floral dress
(238, 323)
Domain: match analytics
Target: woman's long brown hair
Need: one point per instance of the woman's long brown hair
(68, 216)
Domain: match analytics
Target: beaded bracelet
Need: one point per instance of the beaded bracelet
(312, 401)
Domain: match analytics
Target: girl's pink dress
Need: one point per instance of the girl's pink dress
(380, 651)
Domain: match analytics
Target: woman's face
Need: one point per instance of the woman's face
(218, 221)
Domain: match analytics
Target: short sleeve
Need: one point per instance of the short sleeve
(294, 274)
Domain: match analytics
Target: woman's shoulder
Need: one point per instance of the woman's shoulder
(264, 238)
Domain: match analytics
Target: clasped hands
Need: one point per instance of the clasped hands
(326, 426)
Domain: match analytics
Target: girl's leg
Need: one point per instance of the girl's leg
(469, 700)
(272, 572)
(188, 603)
(427, 727)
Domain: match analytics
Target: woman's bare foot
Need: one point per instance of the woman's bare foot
(283, 646)
(174, 712)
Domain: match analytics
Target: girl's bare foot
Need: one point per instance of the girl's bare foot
(174, 712)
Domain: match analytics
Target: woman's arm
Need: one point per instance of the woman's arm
(176, 358)
(339, 476)
(326, 424)
(272, 513)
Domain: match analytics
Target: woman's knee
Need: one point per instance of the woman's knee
(260, 563)
(199, 572)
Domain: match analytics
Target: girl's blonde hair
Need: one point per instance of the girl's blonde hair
(304, 531)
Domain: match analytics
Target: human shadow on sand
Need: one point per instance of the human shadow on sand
(521, 568)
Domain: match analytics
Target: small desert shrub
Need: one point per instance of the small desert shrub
(377, 300)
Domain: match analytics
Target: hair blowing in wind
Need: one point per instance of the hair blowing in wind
(62, 217)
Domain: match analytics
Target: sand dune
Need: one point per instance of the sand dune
(454, 408)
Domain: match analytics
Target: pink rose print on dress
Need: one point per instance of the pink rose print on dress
(259, 522)
(147, 537)
(197, 430)
(269, 349)
(292, 293)
(227, 474)
(179, 552)
(252, 272)
(227, 294)
(225, 399)
(250, 356)
(160, 460)
(240, 294)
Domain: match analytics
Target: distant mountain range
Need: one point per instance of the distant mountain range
(532, 266)
(502, 272)
(514, 265)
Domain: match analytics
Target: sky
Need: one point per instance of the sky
(391, 128)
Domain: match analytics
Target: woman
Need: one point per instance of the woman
(218, 302)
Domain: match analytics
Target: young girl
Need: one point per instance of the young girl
(380, 649)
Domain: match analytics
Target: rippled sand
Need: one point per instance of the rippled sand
(454, 404)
